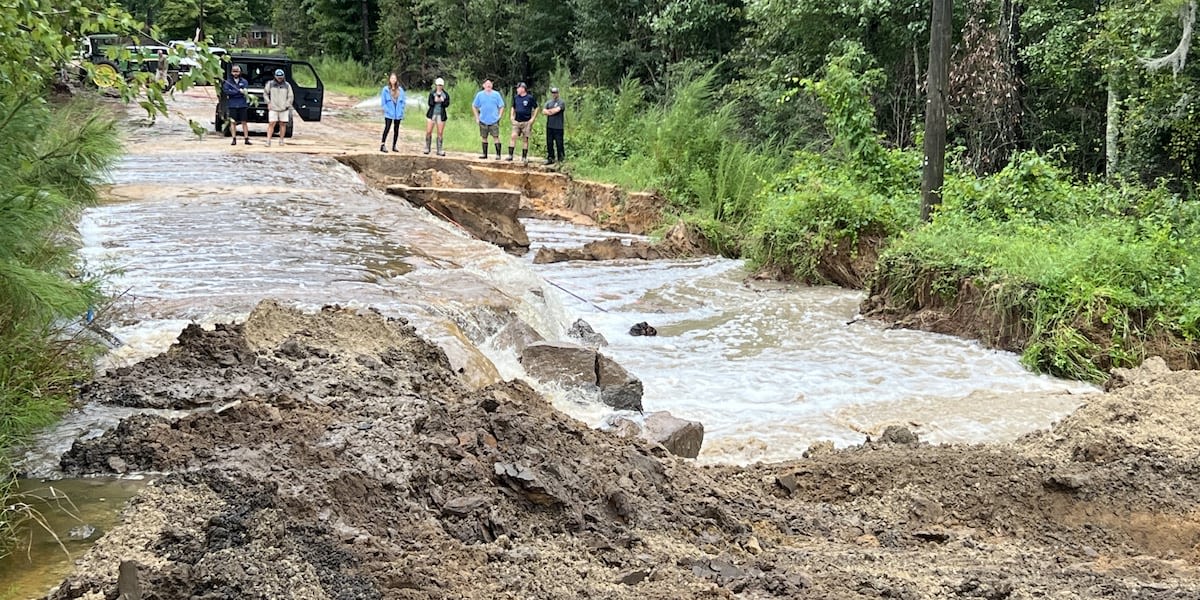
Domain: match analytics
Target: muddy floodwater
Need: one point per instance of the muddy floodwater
(312, 451)
(769, 369)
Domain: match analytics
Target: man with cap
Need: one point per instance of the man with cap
(279, 96)
(524, 111)
(435, 115)
(488, 106)
(554, 127)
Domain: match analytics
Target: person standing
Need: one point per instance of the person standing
(554, 127)
(488, 106)
(391, 97)
(279, 96)
(435, 115)
(524, 112)
(236, 104)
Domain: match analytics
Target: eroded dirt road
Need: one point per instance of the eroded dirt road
(343, 458)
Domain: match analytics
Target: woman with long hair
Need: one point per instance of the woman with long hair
(392, 100)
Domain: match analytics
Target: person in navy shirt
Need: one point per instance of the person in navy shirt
(391, 98)
(236, 103)
(488, 106)
(524, 112)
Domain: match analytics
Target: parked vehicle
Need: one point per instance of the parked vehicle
(115, 58)
(258, 69)
(189, 51)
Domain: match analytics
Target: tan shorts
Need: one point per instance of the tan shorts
(279, 115)
(492, 130)
(523, 128)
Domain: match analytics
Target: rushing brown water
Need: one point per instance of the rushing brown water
(768, 369)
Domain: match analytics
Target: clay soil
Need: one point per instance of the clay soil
(337, 455)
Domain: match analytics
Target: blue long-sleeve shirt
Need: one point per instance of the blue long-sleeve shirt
(393, 108)
(234, 92)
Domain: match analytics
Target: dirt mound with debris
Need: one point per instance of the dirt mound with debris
(337, 455)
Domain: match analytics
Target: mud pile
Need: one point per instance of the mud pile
(339, 456)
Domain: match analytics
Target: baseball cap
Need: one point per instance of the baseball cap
(439, 81)
(553, 90)
(279, 72)
(521, 85)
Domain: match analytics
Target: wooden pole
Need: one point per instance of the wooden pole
(934, 168)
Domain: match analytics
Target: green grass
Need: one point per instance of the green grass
(51, 162)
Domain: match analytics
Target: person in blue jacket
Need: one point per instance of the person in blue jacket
(236, 104)
(392, 99)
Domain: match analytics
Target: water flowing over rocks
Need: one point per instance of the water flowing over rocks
(488, 214)
(572, 365)
(339, 455)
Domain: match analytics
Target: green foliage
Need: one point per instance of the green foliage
(845, 91)
(181, 19)
(823, 205)
(1094, 270)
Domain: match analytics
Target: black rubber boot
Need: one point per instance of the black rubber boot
(525, 155)
(440, 151)
(428, 141)
(484, 155)
(510, 154)
(497, 150)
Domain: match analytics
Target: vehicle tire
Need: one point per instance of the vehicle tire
(287, 131)
(106, 75)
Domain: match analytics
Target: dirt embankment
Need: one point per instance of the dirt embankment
(341, 457)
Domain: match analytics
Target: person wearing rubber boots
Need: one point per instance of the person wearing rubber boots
(435, 115)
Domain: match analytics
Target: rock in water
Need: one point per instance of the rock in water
(582, 331)
(642, 328)
(680, 436)
(572, 365)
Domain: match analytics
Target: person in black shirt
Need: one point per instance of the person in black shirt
(435, 116)
(524, 111)
(554, 127)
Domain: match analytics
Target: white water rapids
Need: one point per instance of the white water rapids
(768, 369)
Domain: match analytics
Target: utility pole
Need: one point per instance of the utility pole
(934, 169)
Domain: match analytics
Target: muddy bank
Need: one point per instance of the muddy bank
(544, 193)
(353, 462)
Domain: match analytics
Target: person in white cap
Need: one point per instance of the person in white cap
(435, 115)
(279, 96)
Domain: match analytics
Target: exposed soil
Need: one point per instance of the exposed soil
(346, 459)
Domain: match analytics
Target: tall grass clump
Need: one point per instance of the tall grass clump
(1095, 275)
(348, 75)
(50, 163)
(828, 205)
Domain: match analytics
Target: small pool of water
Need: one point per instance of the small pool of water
(45, 550)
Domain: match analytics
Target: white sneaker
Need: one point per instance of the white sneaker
(268, 143)
(280, 142)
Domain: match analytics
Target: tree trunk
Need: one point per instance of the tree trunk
(1112, 131)
(934, 171)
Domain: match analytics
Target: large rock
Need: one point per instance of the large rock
(618, 388)
(680, 436)
(488, 214)
(575, 366)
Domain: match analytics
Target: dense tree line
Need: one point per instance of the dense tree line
(1048, 75)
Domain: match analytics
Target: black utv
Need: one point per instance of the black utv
(260, 69)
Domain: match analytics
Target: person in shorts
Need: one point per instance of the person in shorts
(523, 113)
(279, 96)
(488, 106)
(236, 103)
(435, 115)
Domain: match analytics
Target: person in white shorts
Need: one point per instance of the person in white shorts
(279, 96)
